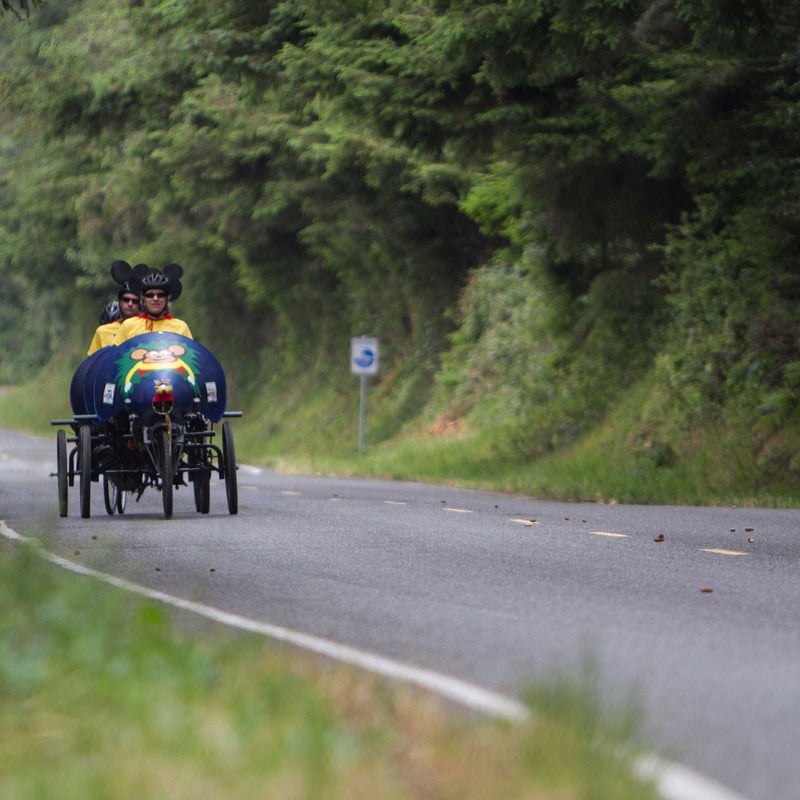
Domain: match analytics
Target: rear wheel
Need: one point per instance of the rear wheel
(229, 468)
(85, 468)
(61, 466)
(165, 470)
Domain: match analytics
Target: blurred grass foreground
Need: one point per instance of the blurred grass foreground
(102, 697)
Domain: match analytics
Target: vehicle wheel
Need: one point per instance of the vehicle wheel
(165, 470)
(61, 465)
(122, 499)
(202, 487)
(229, 467)
(85, 468)
(110, 494)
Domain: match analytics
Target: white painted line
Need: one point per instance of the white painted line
(457, 510)
(459, 691)
(526, 522)
(610, 534)
(395, 503)
(674, 781)
(720, 551)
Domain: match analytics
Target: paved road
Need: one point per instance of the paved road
(701, 629)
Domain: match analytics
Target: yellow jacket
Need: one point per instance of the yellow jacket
(143, 324)
(104, 336)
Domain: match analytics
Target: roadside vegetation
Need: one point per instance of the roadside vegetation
(573, 227)
(100, 697)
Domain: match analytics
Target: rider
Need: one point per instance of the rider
(157, 290)
(113, 315)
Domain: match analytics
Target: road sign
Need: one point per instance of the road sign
(364, 356)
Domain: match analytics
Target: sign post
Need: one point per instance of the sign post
(363, 362)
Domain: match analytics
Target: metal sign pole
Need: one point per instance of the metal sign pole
(362, 415)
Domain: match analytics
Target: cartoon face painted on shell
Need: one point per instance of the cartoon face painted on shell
(123, 377)
(144, 361)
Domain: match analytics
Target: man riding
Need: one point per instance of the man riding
(157, 290)
(113, 315)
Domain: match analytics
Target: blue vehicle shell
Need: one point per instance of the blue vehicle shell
(150, 375)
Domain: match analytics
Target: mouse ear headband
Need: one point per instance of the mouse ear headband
(173, 272)
(123, 273)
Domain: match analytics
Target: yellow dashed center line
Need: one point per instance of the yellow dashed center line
(521, 521)
(610, 534)
(458, 510)
(290, 493)
(722, 552)
(395, 503)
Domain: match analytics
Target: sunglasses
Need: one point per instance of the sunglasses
(151, 295)
(129, 299)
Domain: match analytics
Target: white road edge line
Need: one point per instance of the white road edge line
(674, 781)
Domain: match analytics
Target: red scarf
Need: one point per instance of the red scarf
(150, 320)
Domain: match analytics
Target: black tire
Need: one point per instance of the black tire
(165, 470)
(110, 495)
(229, 468)
(122, 499)
(202, 486)
(63, 478)
(85, 468)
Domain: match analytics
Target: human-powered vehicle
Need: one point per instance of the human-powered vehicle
(143, 416)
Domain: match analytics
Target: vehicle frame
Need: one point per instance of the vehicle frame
(162, 435)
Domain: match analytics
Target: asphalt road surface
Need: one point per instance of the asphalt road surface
(692, 613)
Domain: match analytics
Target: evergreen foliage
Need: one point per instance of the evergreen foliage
(538, 202)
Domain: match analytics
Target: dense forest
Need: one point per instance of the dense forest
(537, 206)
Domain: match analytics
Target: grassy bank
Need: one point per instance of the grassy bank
(626, 458)
(101, 698)
(314, 429)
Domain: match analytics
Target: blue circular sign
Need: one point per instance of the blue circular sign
(365, 358)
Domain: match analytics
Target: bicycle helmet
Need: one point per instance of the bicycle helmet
(156, 280)
(150, 278)
(110, 312)
(126, 288)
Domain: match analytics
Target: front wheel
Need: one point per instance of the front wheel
(85, 468)
(202, 486)
(229, 468)
(113, 496)
(165, 470)
(110, 494)
(61, 466)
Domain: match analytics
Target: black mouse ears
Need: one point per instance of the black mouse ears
(137, 274)
(173, 271)
(122, 272)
